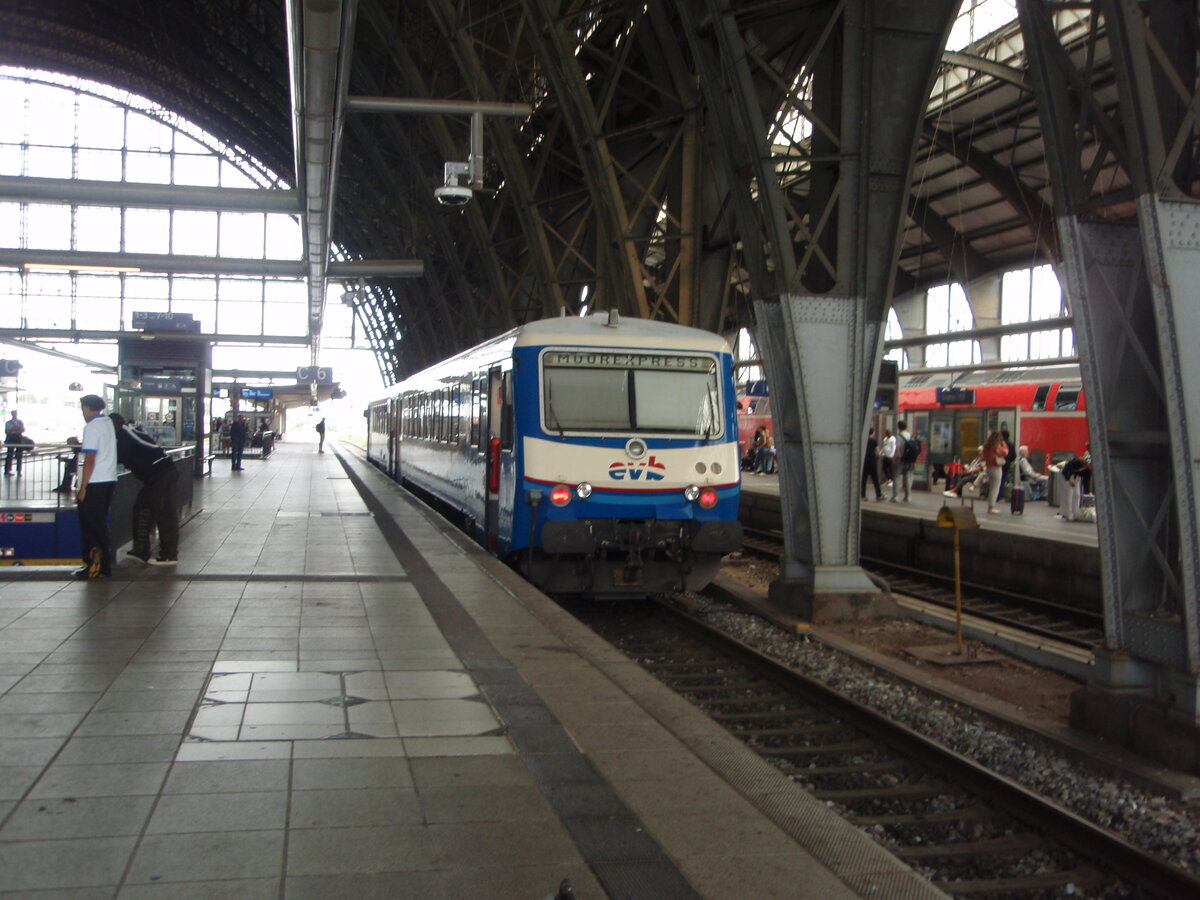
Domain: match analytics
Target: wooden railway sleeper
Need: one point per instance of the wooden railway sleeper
(1008, 844)
(976, 812)
(921, 790)
(1081, 877)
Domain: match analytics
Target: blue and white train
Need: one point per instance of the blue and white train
(597, 455)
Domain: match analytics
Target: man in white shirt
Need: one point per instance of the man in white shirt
(97, 482)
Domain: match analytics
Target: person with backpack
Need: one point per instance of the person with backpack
(907, 451)
(157, 503)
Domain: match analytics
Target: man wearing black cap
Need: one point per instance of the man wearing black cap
(97, 482)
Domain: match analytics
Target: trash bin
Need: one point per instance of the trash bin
(1055, 488)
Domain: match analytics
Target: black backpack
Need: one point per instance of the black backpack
(912, 449)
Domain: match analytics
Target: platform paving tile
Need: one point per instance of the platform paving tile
(360, 807)
(224, 889)
(383, 848)
(16, 780)
(77, 817)
(61, 864)
(245, 811)
(101, 780)
(203, 855)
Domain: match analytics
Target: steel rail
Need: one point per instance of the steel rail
(1107, 850)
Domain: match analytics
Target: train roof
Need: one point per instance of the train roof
(599, 330)
(575, 331)
(1024, 375)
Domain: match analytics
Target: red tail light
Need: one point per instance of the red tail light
(493, 481)
(708, 498)
(561, 495)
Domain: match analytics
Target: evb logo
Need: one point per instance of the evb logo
(650, 470)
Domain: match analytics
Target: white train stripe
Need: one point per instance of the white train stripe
(611, 468)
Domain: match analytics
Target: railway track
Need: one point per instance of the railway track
(970, 832)
(1067, 624)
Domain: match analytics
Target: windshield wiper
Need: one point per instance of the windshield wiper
(710, 425)
(550, 409)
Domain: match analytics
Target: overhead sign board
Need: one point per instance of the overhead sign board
(252, 393)
(956, 396)
(314, 375)
(165, 322)
(162, 385)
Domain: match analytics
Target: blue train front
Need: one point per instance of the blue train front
(627, 472)
(597, 455)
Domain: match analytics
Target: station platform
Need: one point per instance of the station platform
(1034, 553)
(335, 695)
(1039, 518)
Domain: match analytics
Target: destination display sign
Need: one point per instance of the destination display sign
(602, 360)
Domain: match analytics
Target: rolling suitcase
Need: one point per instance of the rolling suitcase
(1018, 500)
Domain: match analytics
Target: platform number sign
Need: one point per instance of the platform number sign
(314, 375)
(9, 367)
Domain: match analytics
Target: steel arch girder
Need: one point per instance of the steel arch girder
(869, 192)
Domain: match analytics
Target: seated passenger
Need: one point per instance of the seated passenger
(764, 462)
(973, 479)
(1030, 480)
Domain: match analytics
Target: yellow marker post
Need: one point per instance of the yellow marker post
(958, 518)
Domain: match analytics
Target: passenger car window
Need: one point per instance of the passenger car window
(1068, 396)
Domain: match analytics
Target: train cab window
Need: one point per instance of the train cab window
(1068, 396)
(1039, 397)
(646, 392)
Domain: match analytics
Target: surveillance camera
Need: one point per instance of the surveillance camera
(453, 195)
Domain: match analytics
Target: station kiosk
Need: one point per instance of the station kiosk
(165, 383)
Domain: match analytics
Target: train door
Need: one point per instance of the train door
(942, 449)
(969, 438)
(918, 427)
(492, 465)
(1003, 420)
(392, 436)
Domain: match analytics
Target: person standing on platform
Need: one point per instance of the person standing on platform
(887, 450)
(157, 503)
(871, 467)
(1010, 459)
(321, 436)
(238, 432)
(14, 439)
(901, 471)
(994, 452)
(97, 482)
(1073, 472)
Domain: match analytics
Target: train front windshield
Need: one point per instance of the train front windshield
(594, 391)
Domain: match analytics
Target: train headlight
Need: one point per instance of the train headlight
(583, 490)
(560, 495)
(708, 498)
(691, 493)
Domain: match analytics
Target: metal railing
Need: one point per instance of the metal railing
(34, 474)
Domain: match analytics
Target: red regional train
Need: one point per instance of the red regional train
(953, 412)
